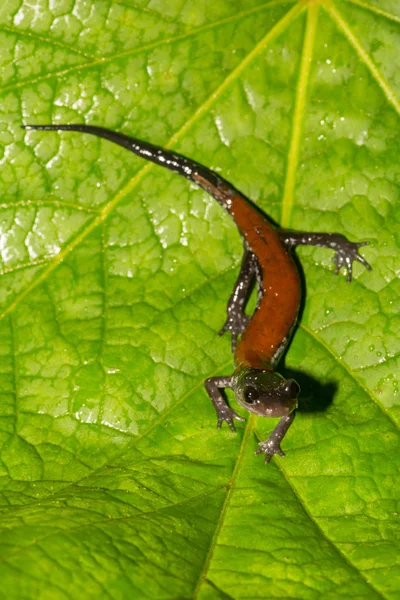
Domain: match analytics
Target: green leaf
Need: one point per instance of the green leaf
(115, 273)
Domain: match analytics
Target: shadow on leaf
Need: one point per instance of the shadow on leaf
(314, 396)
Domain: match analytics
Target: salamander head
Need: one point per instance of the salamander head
(266, 393)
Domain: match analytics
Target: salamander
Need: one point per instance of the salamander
(257, 341)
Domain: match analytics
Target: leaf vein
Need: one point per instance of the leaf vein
(42, 38)
(230, 488)
(103, 521)
(169, 40)
(362, 54)
(351, 373)
(303, 504)
(375, 10)
(300, 103)
(275, 31)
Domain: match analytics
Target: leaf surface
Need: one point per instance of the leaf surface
(115, 273)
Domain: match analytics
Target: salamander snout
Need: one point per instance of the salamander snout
(266, 393)
(291, 388)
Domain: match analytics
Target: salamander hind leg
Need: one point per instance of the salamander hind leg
(213, 386)
(346, 252)
(237, 320)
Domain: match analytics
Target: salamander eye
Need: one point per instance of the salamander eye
(251, 394)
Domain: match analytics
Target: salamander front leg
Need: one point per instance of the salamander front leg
(236, 321)
(345, 252)
(273, 444)
(213, 386)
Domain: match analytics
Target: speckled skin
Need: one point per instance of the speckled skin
(264, 336)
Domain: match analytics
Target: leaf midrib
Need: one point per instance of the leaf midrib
(298, 117)
(107, 520)
(381, 83)
(249, 428)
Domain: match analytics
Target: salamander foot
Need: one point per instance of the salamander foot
(346, 254)
(273, 444)
(213, 386)
(235, 323)
(227, 415)
(269, 448)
